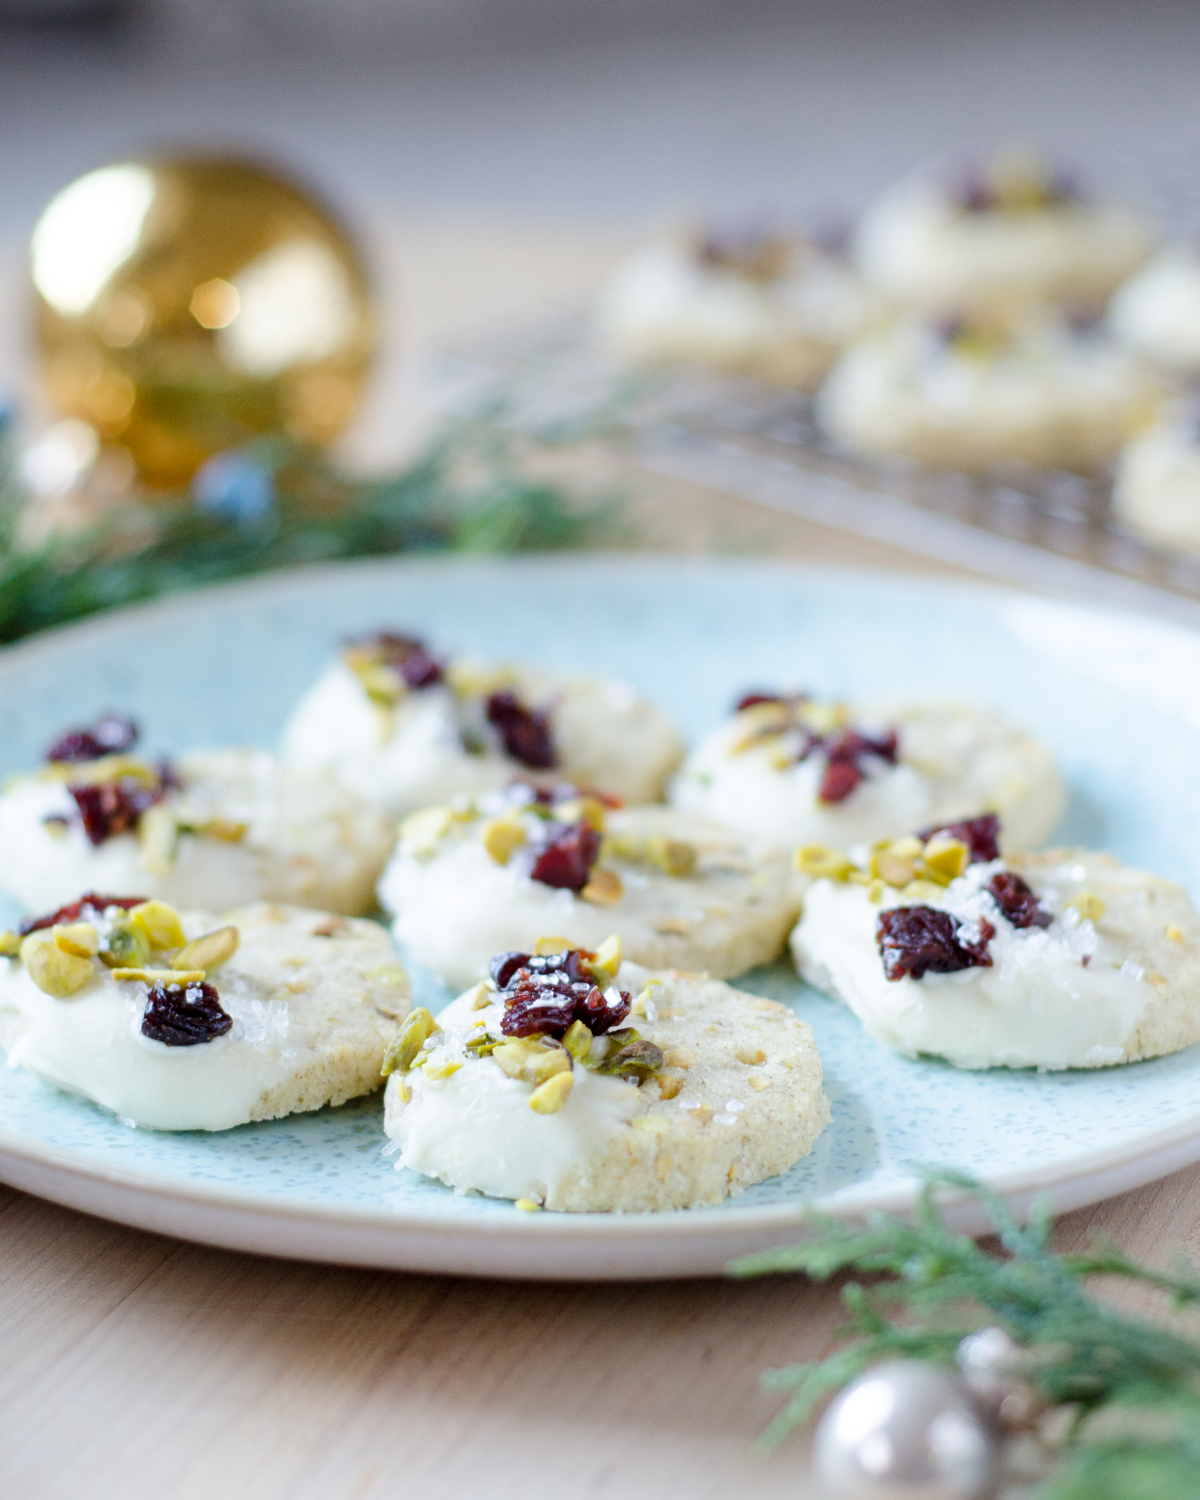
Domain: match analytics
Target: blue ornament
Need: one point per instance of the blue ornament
(234, 486)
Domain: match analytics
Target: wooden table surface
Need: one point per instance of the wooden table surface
(139, 1367)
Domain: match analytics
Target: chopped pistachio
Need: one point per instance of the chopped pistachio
(471, 680)
(390, 974)
(159, 924)
(944, 860)
(669, 1084)
(528, 1205)
(681, 1057)
(226, 830)
(481, 1043)
(578, 1040)
(381, 683)
(750, 1055)
(445, 1069)
(481, 997)
(527, 1058)
(502, 837)
(607, 961)
(589, 810)
(823, 718)
(821, 862)
(636, 1059)
(671, 856)
(78, 938)
(604, 888)
(896, 869)
(549, 1097)
(125, 946)
(416, 1029)
(545, 946)
(422, 831)
(10, 944)
(158, 836)
(651, 1124)
(923, 890)
(160, 976)
(1089, 906)
(53, 971)
(758, 1082)
(210, 951)
(1173, 933)
(875, 892)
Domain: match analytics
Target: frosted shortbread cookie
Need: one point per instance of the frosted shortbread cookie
(776, 307)
(471, 880)
(1157, 311)
(1156, 491)
(1064, 959)
(572, 1081)
(975, 396)
(212, 829)
(1010, 233)
(190, 1022)
(792, 769)
(405, 730)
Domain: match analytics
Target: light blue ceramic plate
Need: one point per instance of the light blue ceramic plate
(1117, 697)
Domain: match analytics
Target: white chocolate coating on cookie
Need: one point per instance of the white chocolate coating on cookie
(1042, 396)
(413, 754)
(312, 1017)
(749, 1105)
(667, 305)
(1077, 994)
(1157, 312)
(305, 840)
(918, 246)
(954, 761)
(1156, 492)
(456, 905)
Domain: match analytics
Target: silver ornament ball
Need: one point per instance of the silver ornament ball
(907, 1430)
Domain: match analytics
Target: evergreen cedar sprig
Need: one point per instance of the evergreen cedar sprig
(466, 493)
(1133, 1385)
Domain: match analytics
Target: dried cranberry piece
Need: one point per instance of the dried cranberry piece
(113, 807)
(504, 966)
(535, 1007)
(844, 753)
(919, 940)
(979, 834)
(566, 861)
(752, 700)
(184, 1015)
(111, 734)
(72, 913)
(1017, 900)
(409, 656)
(524, 732)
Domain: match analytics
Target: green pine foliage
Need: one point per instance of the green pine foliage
(467, 493)
(1131, 1385)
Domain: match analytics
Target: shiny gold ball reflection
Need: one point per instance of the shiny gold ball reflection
(185, 305)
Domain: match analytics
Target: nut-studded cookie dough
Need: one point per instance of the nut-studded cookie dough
(191, 1022)
(573, 1081)
(793, 770)
(1008, 233)
(405, 729)
(1064, 959)
(773, 306)
(470, 880)
(976, 395)
(212, 829)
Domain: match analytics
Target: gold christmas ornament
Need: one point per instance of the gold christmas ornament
(186, 304)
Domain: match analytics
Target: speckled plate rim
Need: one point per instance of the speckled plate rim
(620, 1246)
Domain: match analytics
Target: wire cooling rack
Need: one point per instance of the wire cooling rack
(1045, 530)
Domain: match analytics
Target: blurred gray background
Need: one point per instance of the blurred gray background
(610, 111)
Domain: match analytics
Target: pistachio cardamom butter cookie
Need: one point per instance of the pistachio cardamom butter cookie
(1062, 959)
(405, 729)
(1009, 232)
(793, 769)
(1157, 312)
(572, 1080)
(775, 306)
(182, 1021)
(974, 394)
(1156, 489)
(476, 878)
(211, 829)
